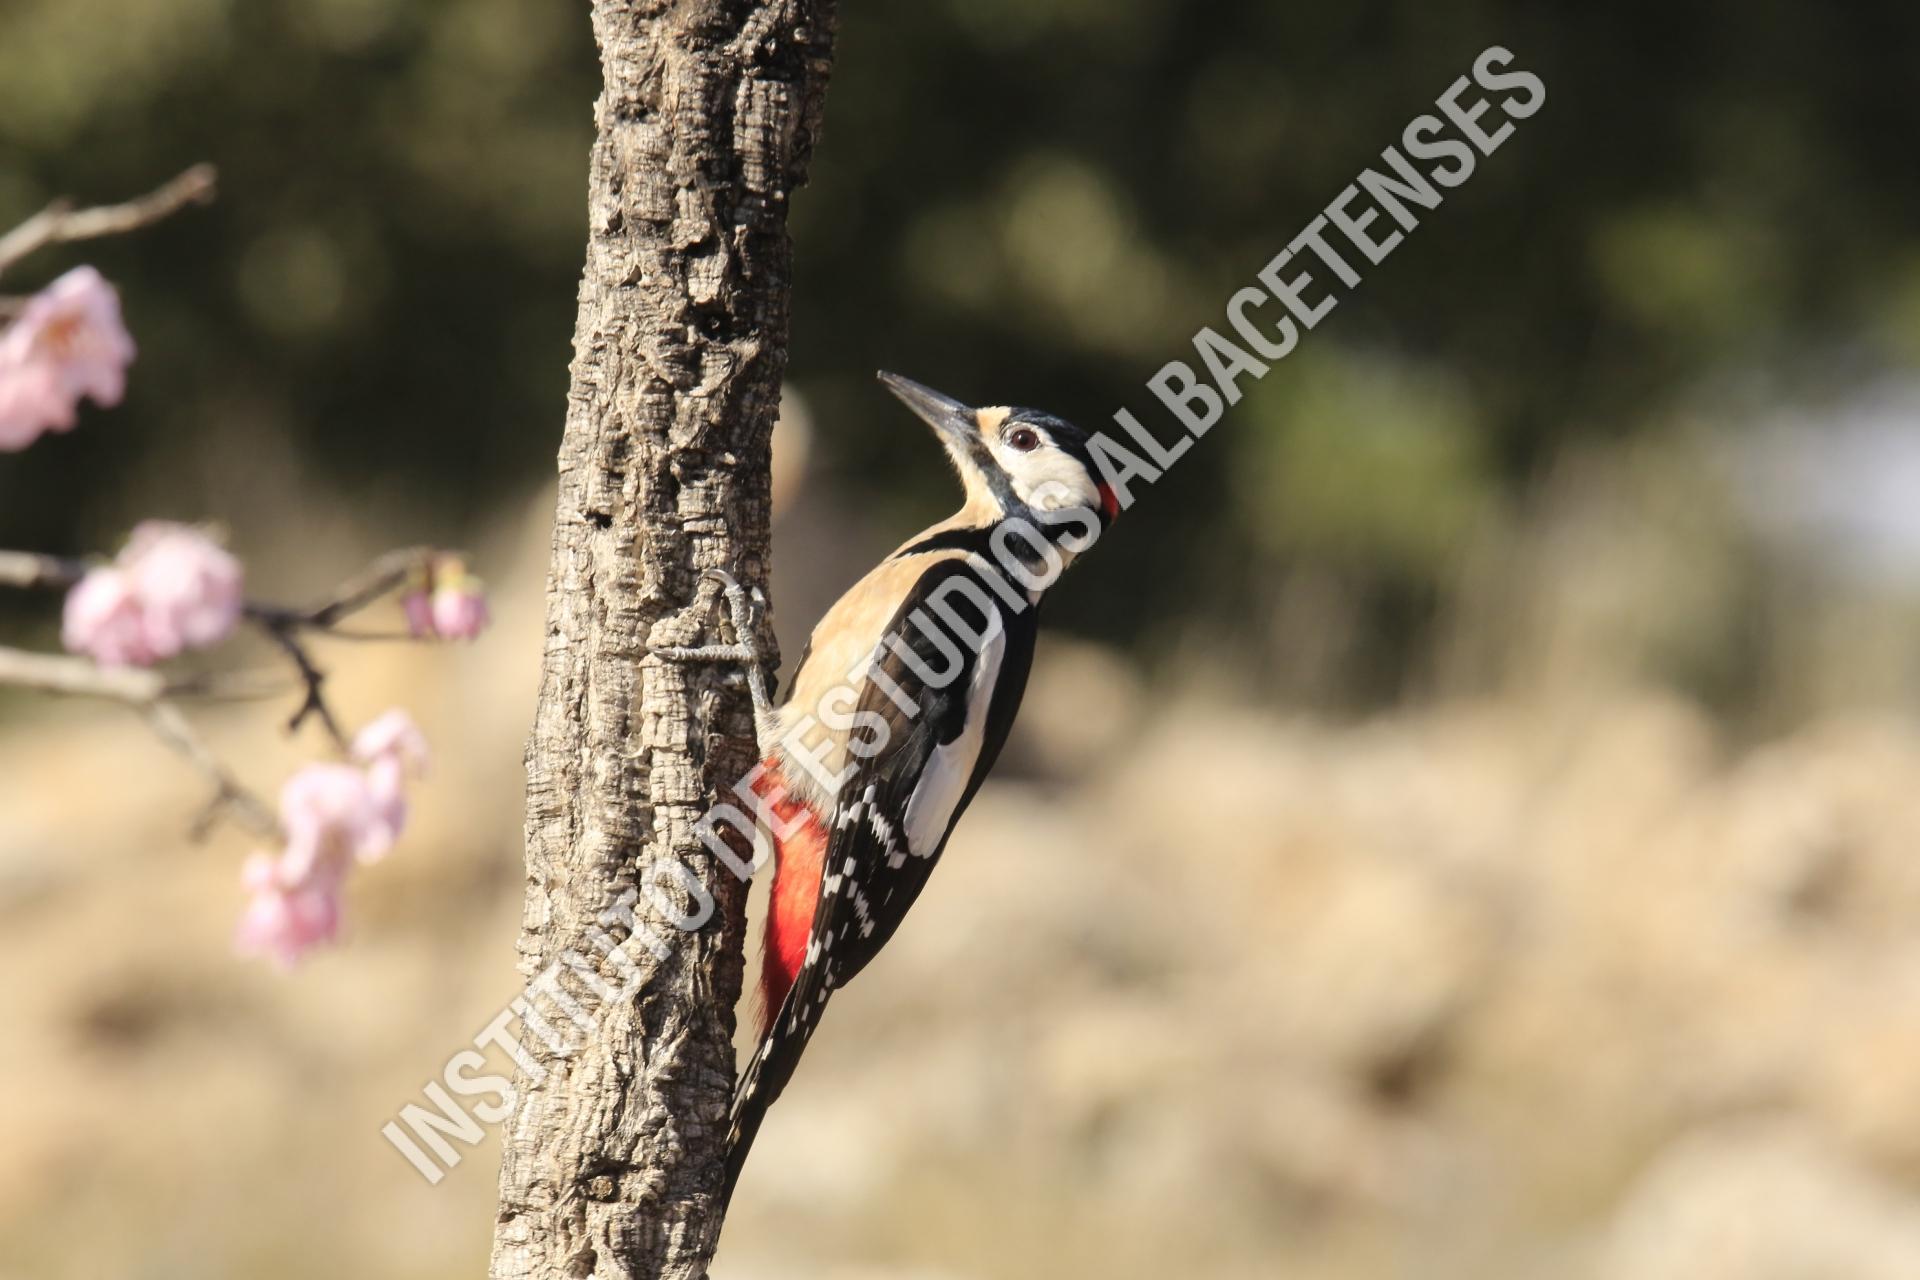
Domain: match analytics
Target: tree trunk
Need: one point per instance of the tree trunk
(612, 1159)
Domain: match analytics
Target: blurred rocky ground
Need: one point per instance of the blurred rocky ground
(1565, 985)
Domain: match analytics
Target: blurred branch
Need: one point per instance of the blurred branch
(146, 692)
(280, 623)
(28, 569)
(312, 678)
(386, 574)
(61, 223)
(57, 673)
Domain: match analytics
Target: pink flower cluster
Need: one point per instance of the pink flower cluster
(448, 604)
(68, 342)
(335, 817)
(174, 588)
(171, 588)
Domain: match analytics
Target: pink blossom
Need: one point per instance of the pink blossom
(333, 817)
(447, 603)
(391, 747)
(418, 606)
(188, 583)
(172, 588)
(286, 917)
(387, 786)
(392, 734)
(68, 342)
(103, 619)
(460, 608)
(30, 402)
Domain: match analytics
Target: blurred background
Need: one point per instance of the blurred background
(1464, 821)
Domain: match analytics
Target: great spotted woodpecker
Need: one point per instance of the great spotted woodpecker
(897, 710)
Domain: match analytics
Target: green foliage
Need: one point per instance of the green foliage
(1026, 200)
(1364, 462)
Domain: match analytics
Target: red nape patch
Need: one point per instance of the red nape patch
(1108, 502)
(796, 884)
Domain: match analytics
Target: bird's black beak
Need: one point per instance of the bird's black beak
(957, 425)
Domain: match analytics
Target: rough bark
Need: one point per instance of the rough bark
(612, 1159)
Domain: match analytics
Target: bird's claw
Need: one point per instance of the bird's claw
(745, 650)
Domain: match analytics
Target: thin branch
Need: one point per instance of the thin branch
(62, 673)
(389, 572)
(147, 693)
(386, 574)
(29, 569)
(314, 702)
(369, 637)
(282, 624)
(230, 795)
(56, 673)
(61, 223)
(238, 686)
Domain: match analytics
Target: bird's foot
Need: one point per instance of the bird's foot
(742, 606)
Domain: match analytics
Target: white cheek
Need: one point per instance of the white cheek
(1047, 479)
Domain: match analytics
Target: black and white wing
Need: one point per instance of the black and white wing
(894, 812)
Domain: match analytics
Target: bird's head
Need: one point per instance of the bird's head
(1012, 461)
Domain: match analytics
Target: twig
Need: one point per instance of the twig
(61, 223)
(56, 673)
(147, 693)
(369, 637)
(230, 794)
(385, 574)
(280, 623)
(61, 673)
(30, 569)
(314, 702)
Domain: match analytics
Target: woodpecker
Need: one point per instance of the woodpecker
(899, 707)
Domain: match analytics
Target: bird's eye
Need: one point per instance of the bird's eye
(1025, 439)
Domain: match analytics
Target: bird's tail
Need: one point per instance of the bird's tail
(769, 1071)
(743, 1124)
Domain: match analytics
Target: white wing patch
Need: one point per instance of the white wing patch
(950, 767)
